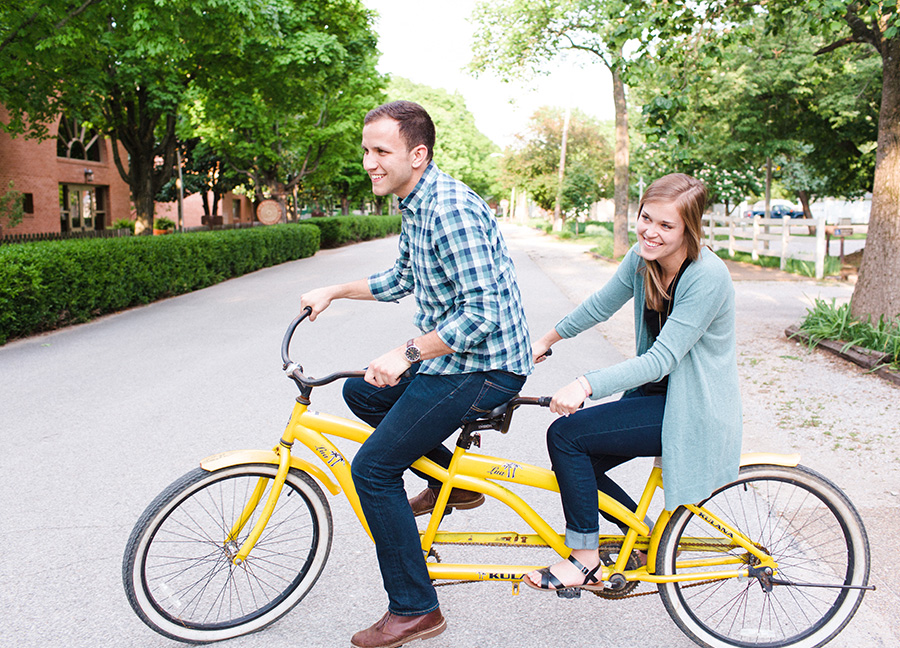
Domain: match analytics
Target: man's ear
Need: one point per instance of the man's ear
(419, 156)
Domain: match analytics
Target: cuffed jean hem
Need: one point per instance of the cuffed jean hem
(578, 540)
(412, 614)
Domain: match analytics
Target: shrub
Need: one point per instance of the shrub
(340, 230)
(45, 285)
(827, 321)
(123, 223)
(163, 223)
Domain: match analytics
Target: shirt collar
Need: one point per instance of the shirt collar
(420, 192)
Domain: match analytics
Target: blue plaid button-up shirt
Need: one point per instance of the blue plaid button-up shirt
(453, 258)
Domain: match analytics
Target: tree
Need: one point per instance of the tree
(763, 102)
(203, 172)
(875, 24)
(521, 36)
(461, 149)
(840, 24)
(290, 111)
(129, 67)
(11, 206)
(533, 161)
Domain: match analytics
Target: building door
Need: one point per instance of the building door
(77, 207)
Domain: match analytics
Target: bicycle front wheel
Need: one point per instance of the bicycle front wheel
(805, 523)
(178, 569)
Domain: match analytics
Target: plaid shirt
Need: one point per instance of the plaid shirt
(453, 257)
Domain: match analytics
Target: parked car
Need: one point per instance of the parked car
(777, 209)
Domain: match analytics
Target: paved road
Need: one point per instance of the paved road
(98, 418)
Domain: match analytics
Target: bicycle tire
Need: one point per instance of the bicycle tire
(177, 569)
(806, 523)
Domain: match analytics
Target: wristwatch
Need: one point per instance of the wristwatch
(412, 351)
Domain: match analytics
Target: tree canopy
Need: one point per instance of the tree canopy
(519, 37)
(460, 148)
(532, 162)
(130, 67)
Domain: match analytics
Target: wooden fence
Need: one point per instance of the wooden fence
(776, 237)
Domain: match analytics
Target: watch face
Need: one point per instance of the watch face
(413, 354)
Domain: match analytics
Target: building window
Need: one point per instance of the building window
(28, 203)
(236, 210)
(76, 142)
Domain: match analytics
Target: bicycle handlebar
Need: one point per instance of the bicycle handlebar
(295, 371)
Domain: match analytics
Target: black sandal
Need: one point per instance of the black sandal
(547, 578)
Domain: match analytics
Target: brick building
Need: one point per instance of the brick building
(69, 181)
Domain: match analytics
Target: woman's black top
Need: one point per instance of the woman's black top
(654, 320)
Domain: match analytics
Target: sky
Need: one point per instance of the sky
(429, 42)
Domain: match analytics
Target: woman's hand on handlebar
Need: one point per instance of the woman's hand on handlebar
(568, 399)
(540, 349)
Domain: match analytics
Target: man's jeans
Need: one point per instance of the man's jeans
(584, 445)
(426, 410)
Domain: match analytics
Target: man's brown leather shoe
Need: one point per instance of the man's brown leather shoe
(424, 502)
(393, 630)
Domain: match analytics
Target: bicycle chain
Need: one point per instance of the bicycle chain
(604, 593)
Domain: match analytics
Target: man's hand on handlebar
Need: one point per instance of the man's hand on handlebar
(317, 300)
(386, 370)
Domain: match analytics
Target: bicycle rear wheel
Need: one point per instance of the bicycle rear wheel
(805, 523)
(178, 570)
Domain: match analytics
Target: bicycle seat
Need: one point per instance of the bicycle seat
(496, 413)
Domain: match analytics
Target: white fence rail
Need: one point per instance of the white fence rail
(803, 239)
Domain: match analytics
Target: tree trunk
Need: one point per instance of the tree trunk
(807, 212)
(142, 195)
(877, 292)
(620, 194)
(558, 218)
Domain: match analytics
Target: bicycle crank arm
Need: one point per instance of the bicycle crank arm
(778, 581)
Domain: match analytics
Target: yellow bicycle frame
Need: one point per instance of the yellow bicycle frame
(484, 474)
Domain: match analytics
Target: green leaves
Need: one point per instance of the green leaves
(50, 284)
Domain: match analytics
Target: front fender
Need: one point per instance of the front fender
(235, 457)
(756, 458)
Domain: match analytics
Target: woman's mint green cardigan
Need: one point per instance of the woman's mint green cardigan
(701, 433)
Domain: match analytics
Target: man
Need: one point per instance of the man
(473, 355)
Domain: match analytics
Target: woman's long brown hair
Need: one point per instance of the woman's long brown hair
(688, 195)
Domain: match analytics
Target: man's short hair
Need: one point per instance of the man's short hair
(416, 126)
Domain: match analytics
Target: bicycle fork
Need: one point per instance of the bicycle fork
(284, 464)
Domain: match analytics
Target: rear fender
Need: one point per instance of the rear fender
(773, 458)
(235, 457)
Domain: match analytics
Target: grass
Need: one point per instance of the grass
(596, 233)
(827, 321)
(600, 236)
(794, 266)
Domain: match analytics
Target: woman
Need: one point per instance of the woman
(682, 398)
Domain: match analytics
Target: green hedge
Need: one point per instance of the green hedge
(340, 230)
(45, 285)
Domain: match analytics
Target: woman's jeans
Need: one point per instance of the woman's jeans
(586, 444)
(425, 411)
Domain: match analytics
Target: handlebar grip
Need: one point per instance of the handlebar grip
(544, 401)
(286, 342)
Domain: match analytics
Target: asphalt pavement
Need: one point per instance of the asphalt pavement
(98, 418)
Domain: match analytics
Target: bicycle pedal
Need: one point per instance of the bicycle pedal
(569, 593)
